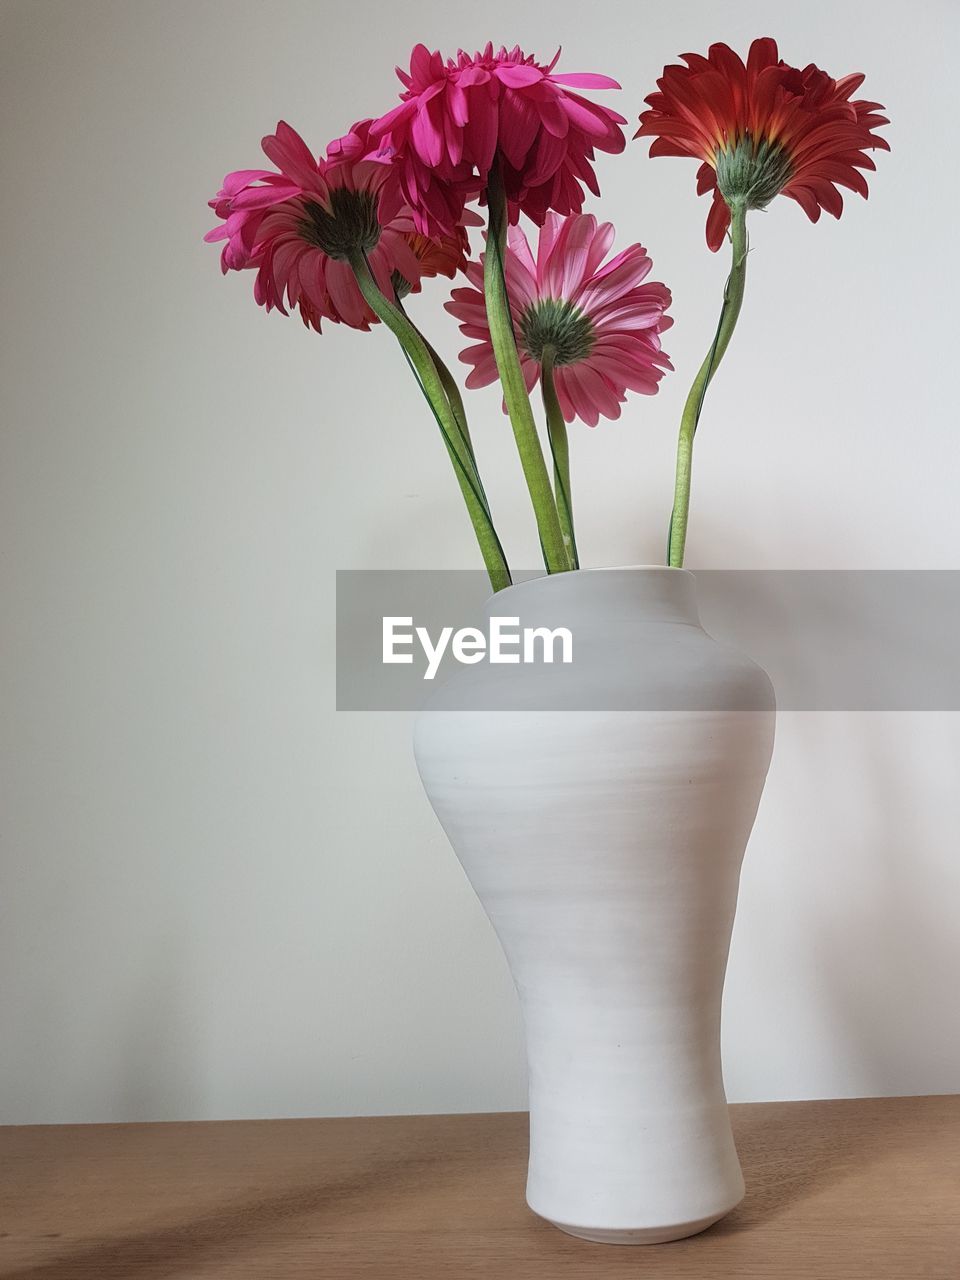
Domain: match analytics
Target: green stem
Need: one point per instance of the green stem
(449, 384)
(515, 394)
(559, 447)
(732, 301)
(431, 385)
(452, 390)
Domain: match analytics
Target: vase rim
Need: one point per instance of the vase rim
(621, 568)
(569, 574)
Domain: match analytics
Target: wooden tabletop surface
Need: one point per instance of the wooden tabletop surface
(843, 1190)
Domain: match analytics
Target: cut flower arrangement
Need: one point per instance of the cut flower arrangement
(604, 842)
(487, 140)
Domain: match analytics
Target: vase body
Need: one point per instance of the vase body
(601, 811)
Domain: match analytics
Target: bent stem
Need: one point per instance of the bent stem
(447, 381)
(559, 447)
(449, 384)
(515, 395)
(732, 301)
(431, 384)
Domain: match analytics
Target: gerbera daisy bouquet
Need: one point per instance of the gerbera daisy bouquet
(502, 147)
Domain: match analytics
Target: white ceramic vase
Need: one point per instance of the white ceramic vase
(601, 811)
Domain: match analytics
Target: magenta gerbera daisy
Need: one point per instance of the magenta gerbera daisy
(297, 227)
(459, 117)
(596, 323)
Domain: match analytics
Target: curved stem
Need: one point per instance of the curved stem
(449, 384)
(732, 301)
(431, 384)
(504, 344)
(452, 390)
(559, 447)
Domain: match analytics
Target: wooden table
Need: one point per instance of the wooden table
(845, 1190)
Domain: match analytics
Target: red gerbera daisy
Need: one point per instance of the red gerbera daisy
(458, 116)
(763, 129)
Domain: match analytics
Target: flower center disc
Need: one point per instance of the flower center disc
(556, 323)
(350, 226)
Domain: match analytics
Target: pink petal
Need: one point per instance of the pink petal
(520, 76)
(473, 76)
(555, 120)
(576, 250)
(519, 246)
(241, 178)
(548, 237)
(585, 80)
(345, 293)
(427, 138)
(263, 197)
(549, 157)
(420, 63)
(519, 124)
(290, 154)
(481, 133)
(602, 244)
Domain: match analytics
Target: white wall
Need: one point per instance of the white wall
(221, 898)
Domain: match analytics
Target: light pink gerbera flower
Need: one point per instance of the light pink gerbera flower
(600, 323)
(298, 227)
(457, 116)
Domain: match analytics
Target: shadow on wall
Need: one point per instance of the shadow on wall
(860, 929)
(890, 969)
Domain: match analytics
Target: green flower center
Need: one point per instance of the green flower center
(350, 226)
(752, 172)
(556, 323)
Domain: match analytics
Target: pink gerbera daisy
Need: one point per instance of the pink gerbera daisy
(444, 257)
(599, 322)
(298, 228)
(457, 117)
